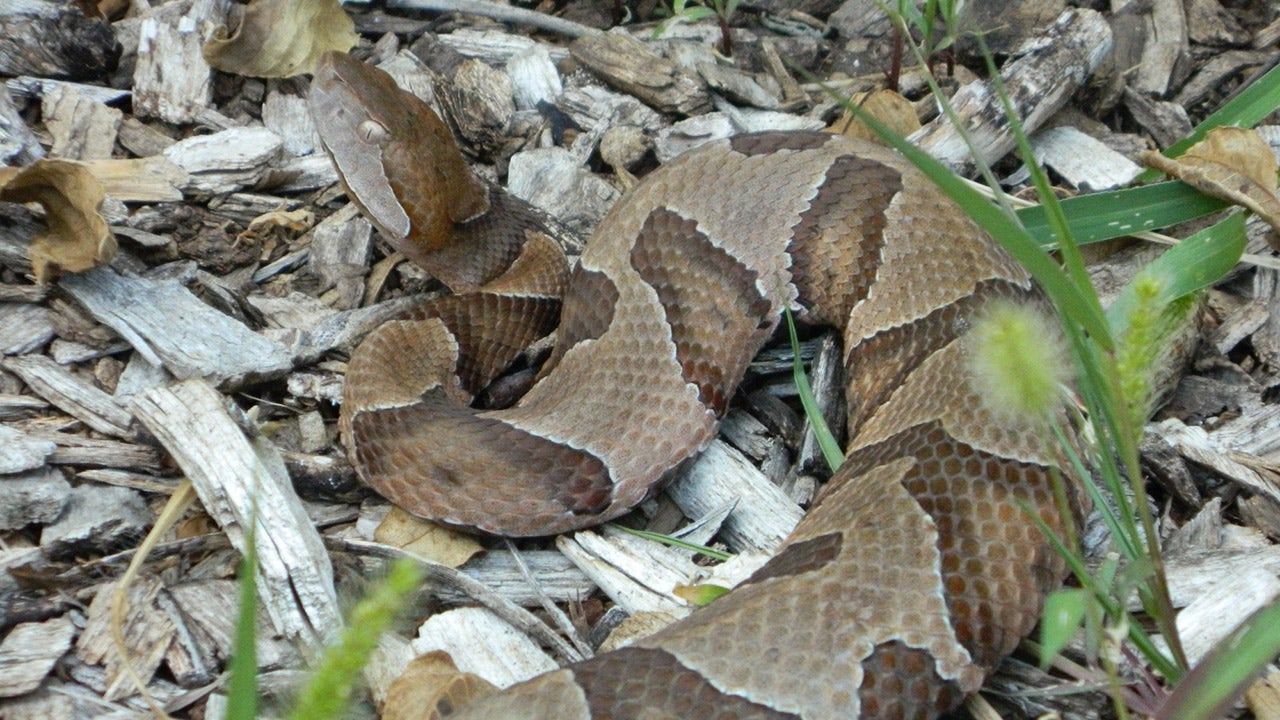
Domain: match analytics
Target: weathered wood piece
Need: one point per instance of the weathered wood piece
(340, 248)
(28, 498)
(142, 139)
(284, 112)
(496, 48)
(826, 379)
(1167, 122)
(557, 578)
(96, 520)
(554, 180)
(24, 327)
(147, 632)
(441, 578)
(1208, 23)
(173, 329)
(1165, 51)
(171, 80)
(1206, 449)
(18, 145)
(205, 613)
(83, 451)
(1219, 69)
(534, 77)
(1038, 82)
(82, 129)
(763, 515)
(242, 483)
(1229, 585)
(53, 40)
(502, 13)
(1083, 161)
(477, 99)
(71, 394)
(482, 643)
(636, 573)
(151, 179)
(636, 69)
(226, 161)
(29, 653)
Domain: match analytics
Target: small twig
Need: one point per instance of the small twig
(522, 619)
(501, 13)
(566, 626)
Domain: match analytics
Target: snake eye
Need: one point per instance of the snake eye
(373, 131)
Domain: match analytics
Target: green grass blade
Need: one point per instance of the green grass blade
(338, 673)
(1191, 265)
(242, 686)
(1244, 110)
(1063, 614)
(1210, 689)
(676, 542)
(1107, 215)
(827, 442)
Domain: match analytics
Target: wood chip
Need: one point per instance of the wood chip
(71, 394)
(19, 452)
(636, 573)
(172, 81)
(242, 481)
(634, 68)
(30, 651)
(173, 329)
(1165, 48)
(1048, 71)
(226, 161)
(82, 129)
(763, 516)
(481, 643)
(96, 520)
(1220, 610)
(24, 327)
(38, 38)
(1083, 161)
(556, 181)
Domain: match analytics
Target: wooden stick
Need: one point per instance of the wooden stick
(501, 13)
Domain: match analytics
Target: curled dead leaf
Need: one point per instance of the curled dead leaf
(886, 106)
(280, 38)
(431, 688)
(1232, 164)
(278, 220)
(78, 238)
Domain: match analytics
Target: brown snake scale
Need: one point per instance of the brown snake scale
(915, 571)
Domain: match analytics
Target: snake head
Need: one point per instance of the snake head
(396, 158)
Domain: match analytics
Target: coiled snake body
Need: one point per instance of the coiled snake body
(916, 569)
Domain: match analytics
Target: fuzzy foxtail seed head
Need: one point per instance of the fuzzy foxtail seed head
(1018, 362)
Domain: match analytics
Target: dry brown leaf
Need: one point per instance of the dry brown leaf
(431, 688)
(78, 238)
(1263, 697)
(1232, 164)
(430, 540)
(278, 220)
(886, 106)
(281, 38)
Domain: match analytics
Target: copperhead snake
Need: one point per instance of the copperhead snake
(917, 568)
